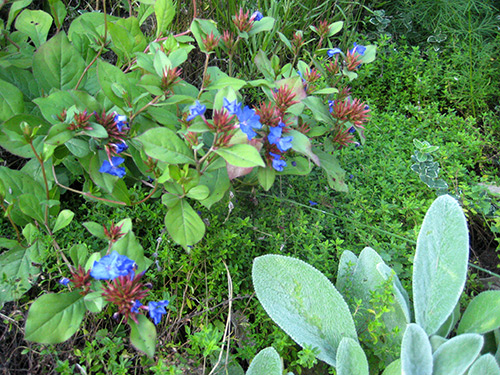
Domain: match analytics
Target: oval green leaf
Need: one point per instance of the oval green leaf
(288, 289)
(54, 318)
(143, 335)
(184, 225)
(267, 361)
(163, 144)
(456, 355)
(482, 315)
(416, 352)
(440, 267)
(241, 155)
(351, 359)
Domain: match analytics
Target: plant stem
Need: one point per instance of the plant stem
(11, 221)
(47, 191)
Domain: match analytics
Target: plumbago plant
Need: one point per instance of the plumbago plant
(84, 125)
(96, 281)
(425, 331)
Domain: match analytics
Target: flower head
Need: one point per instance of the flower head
(232, 107)
(333, 51)
(358, 49)
(111, 266)
(112, 167)
(277, 163)
(197, 109)
(256, 16)
(64, 281)
(275, 138)
(157, 310)
(248, 121)
(114, 233)
(126, 292)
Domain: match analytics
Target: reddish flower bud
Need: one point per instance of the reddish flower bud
(114, 233)
(81, 121)
(283, 98)
(210, 42)
(170, 78)
(242, 21)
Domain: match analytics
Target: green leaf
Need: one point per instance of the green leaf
(59, 12)
(164, 12)
(11, 101)
(241, 155)
(218, 183)
(78, 254)
(335, 28)
(302, 144)
(59, 134)
(201, 28)
(320, 111)
(440, 267)
(394, 368)
(482, 315)
(335, 174)
(63, 220)
(484, 365)
(78, 147)
(457, 354)
(288, 289)
(266, 177)
(264, 65)
(143, 335)
(369, 54)
(95, 229)
(36, 24)
(199, 192)
(57, 64)
(94, 302)
(416, 352)
(163, 144)
(351, 359)
(30, 205)
(267, 361)
(265, 24)
(223, 82)
(15, 8)
(184, 225)
(54, 318)
(16, 266)
(110, 75)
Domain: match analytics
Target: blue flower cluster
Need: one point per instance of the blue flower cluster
(247, 117)
(111, 167)
(359, 49)
(197, 109)
(114, 265)
(274, 138)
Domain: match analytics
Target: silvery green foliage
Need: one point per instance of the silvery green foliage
(416, 352)
(394, 368)
(484, 365)
(457, 354)
(359, 277)
(351, 359)
(440, 267)
(477, 318)
(304, 303)
(267, 361)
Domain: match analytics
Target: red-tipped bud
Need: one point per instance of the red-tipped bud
(283, 98)
(323, 29)
(297, 42)
(242, 21)
(170, 78)
(80, 121)
(114, 233)
(228, 41)
(81, 279)
(210, 42)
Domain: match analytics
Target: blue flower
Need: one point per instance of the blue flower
(232, 107)
(197, 109)
(157, 310)
(275, 138)
(120, 121)
(312, 203)
(135, 307)
(64, 281)
(256, 16)
(111, 167)
(278, 164)
(120, 147)
(248, 121)
(294, 163)
(358, 49)
(333, 51)
(352, 129)
(111, 266)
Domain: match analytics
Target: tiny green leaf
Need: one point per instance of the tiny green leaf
(63, 220)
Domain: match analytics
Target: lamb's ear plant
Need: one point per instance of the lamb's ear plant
(313, 312)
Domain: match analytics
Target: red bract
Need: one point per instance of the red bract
(350, 110)
(123, 291)
(81, 279)
(297, 42)
(210, 42)
(170, 78)
(283, 98)
(343, 137)
(333, 66)
(114, 233)
(81, 121)
(323, 29)
(108, 121)
(352, 60)
(228, 40)
(242, 21)
(268, 114)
